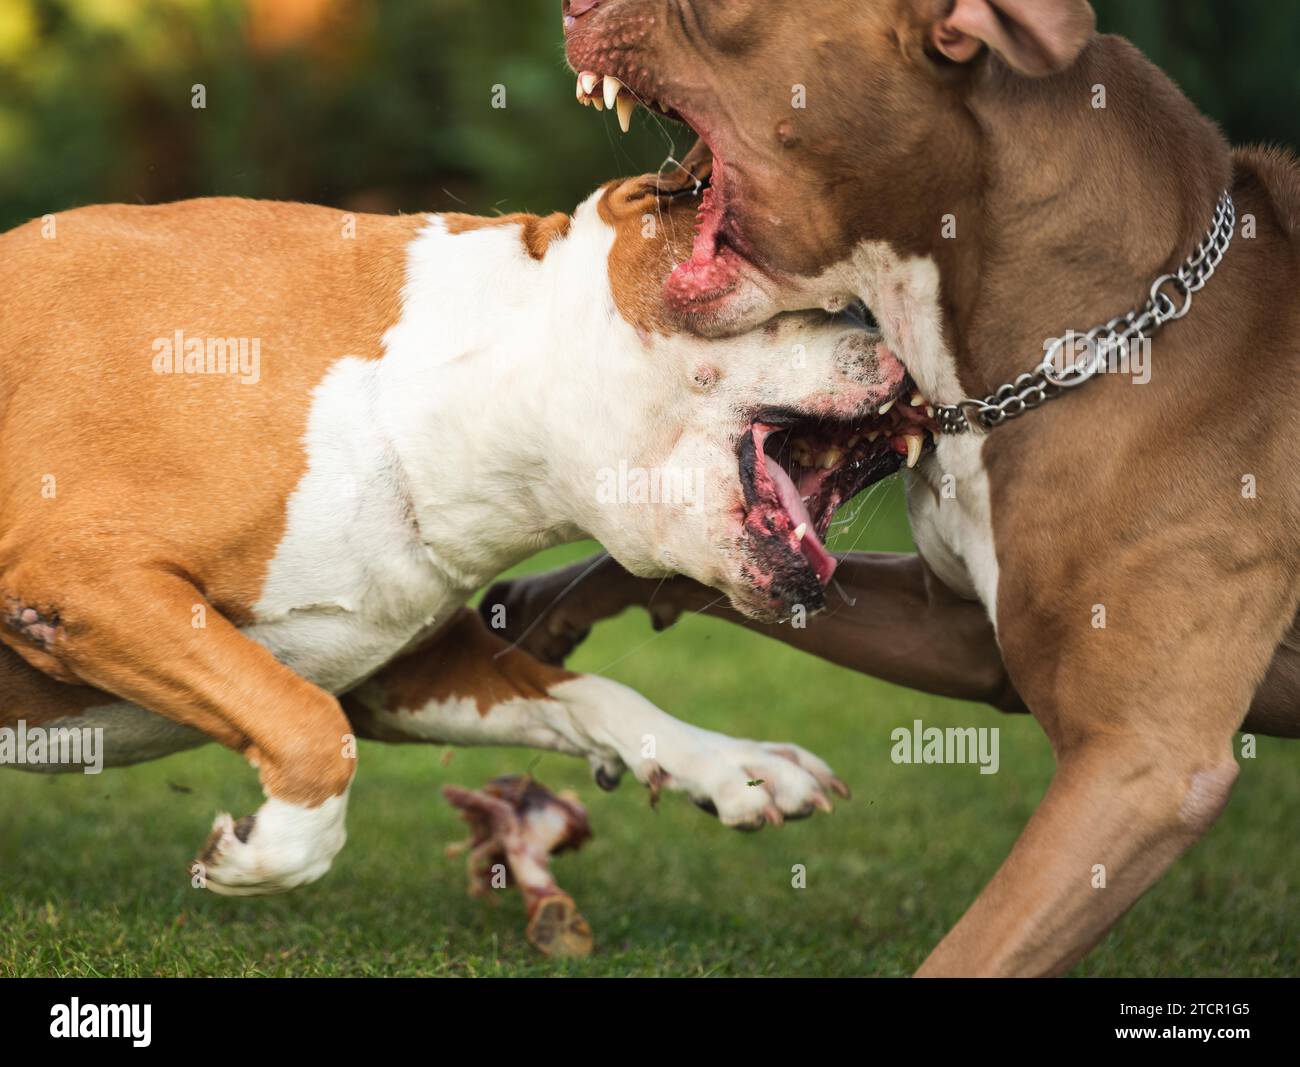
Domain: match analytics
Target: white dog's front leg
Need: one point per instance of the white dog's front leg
(746, 783)
(472, 689)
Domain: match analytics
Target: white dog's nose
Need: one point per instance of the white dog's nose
(856, 352)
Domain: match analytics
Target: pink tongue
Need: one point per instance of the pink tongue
(822, 562)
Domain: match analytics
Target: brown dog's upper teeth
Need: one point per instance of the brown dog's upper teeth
(613, 95)
(625, 105)
(611, 90)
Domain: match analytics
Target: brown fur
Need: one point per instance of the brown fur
(169, 491)
(465, 661)
(537, 232)
(204, 489)
(651, 236)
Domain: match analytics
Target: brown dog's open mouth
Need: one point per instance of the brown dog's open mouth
(795, 472)
(718, 253)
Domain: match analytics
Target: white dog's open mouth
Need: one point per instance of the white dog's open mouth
(796, 471)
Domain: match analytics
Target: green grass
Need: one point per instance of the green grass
(93, 882)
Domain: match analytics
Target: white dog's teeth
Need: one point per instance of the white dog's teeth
(626, 105)
(612, 86)
(884, 408)
(588, 81)
(579, 90)
(917, 400)
(914, 446)
(800, 530)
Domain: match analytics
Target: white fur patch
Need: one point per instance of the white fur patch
(350, 584)
(508, 388)
(289, 845)
(948, 493)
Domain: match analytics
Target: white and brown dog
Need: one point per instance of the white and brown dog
(255, 457)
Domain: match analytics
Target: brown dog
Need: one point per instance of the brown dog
(987, 175)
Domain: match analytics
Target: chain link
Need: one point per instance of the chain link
(1170, 299)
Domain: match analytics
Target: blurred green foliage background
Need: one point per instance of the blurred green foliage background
(387, 104)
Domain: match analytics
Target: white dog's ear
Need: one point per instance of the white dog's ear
(1033, 37)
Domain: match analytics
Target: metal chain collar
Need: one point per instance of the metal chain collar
(1047, 381)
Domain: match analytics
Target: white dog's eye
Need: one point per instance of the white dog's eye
(859, 313)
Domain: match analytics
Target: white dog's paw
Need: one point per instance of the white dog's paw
(279, 848)
(747, 784)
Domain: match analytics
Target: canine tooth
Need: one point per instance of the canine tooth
(588, 81)
(612, 86)
(929, 410)
(579, 90)
(800, 530)
(884, 408)
(914, 446)
(626, 105)
(917, 400)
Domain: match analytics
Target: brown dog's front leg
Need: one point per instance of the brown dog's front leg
(1141, 703)
(889, 617)
(1119, 811)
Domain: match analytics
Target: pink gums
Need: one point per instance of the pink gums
(712, 271)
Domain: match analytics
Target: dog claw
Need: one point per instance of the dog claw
(839, 787)
(222, 825)
(705, 805)
(655, 780)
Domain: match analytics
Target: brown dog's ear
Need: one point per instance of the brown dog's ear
(1033, 37)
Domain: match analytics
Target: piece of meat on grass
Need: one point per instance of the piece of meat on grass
(516, 826)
